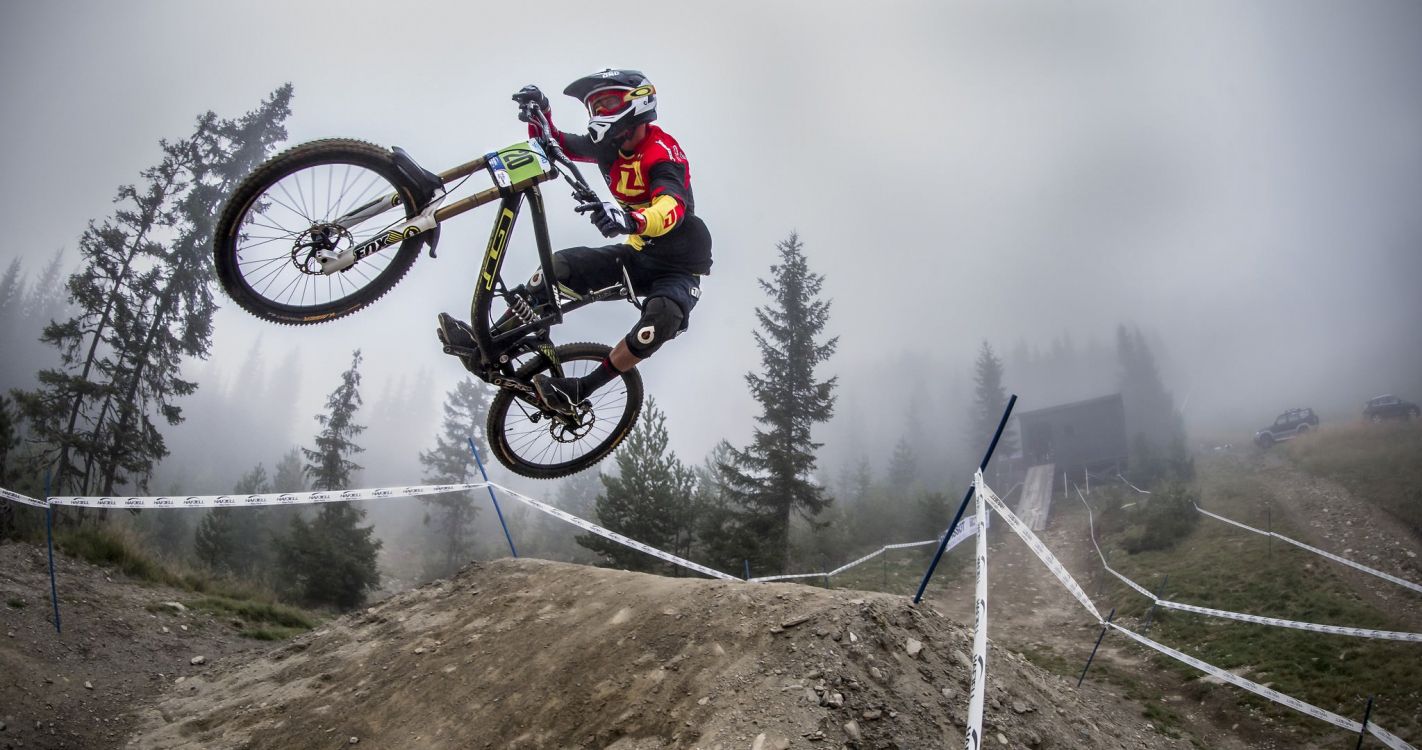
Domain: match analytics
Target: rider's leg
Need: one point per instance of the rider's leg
(577, 269)
(581, 269)
(663, 317)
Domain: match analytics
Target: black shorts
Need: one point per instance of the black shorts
(669, 266)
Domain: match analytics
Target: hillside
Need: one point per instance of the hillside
(535, 654)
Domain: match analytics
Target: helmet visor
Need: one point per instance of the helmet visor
(607, 102)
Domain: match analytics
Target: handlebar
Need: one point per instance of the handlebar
(533, 114)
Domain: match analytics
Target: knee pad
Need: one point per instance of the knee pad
(661, 321)
(535, 282)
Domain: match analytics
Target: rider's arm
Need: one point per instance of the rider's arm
(578, 147)
(670, 179)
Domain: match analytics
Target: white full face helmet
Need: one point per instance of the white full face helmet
(617, 102)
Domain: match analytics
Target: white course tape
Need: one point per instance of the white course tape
(1389, 635)
(966, 528)
(21, 499)
(274, 498)
(1339, 721)
(1358, 566)
(1091, 522)
(1388, 738)
(614, 536)
(1132, 486)
(973, 733)
(906, 545)
(1232, 522)
(1044, 554)
(1256, 619)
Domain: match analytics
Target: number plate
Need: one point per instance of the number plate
(517, 163)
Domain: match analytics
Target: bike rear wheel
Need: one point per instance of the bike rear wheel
(263, 241)
(526, 439)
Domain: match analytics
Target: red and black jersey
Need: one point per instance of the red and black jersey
(640, 180)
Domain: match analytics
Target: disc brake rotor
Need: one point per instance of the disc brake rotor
(324, 236)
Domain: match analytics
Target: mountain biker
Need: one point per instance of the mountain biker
(667, 247)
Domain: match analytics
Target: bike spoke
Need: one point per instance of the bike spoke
(272, 263)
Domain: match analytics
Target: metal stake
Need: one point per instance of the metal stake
(49, 537)
(1104, 627)
(1146, 628)
(1367, 713)
(475, 450)
(943, 545)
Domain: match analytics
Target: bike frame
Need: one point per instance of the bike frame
(496, 353)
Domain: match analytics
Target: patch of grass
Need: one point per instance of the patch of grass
(255, 611)
(15, 602)
(1219, 566)
(112, 547)
(1379, 463)
(119, 547)
(1167, 722)
(271, 633)
(1051, 661)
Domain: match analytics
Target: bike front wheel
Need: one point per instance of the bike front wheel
(266, 240)
(532, 442)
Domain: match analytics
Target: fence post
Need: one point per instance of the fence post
(1104, 627)
(943, 545)
(475, 450)
(747, 568)
(1366, 714)
(1146, 628)
(49, 538)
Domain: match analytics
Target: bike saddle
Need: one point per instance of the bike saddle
(426, 183)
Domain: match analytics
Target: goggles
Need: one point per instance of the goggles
(611, 101)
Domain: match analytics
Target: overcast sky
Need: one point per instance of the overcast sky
(1241, 180)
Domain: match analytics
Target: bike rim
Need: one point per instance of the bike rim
(269, 261)
(538, 443)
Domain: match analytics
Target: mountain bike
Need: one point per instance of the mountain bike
(328, 227)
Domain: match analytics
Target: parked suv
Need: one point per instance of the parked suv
(1390, 407)
(1289, 425)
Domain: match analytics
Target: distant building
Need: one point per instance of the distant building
(1082, 435)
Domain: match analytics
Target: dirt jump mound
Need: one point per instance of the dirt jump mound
(533, 654)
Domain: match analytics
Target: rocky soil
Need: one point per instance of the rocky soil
(121, 646)
(534, 654)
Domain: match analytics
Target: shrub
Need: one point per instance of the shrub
(1162, 520)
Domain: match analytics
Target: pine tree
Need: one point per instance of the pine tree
(12, 299)
(9, 437)
(46, 299)
(903, 466)
(232, 540)
(144, 303)
(989, 400)
(1157, 431)
(9, 440)
(720, 529)
(648, 500)
(450, 517)
(62, 411)
(179, 289)
(931, 514)
(328, 465)
(331, 560)
(772, 478)
(289, 476)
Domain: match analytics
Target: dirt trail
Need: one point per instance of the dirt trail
(79, 689)
(1032, 613)
(1325, 514)
(533, 654)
